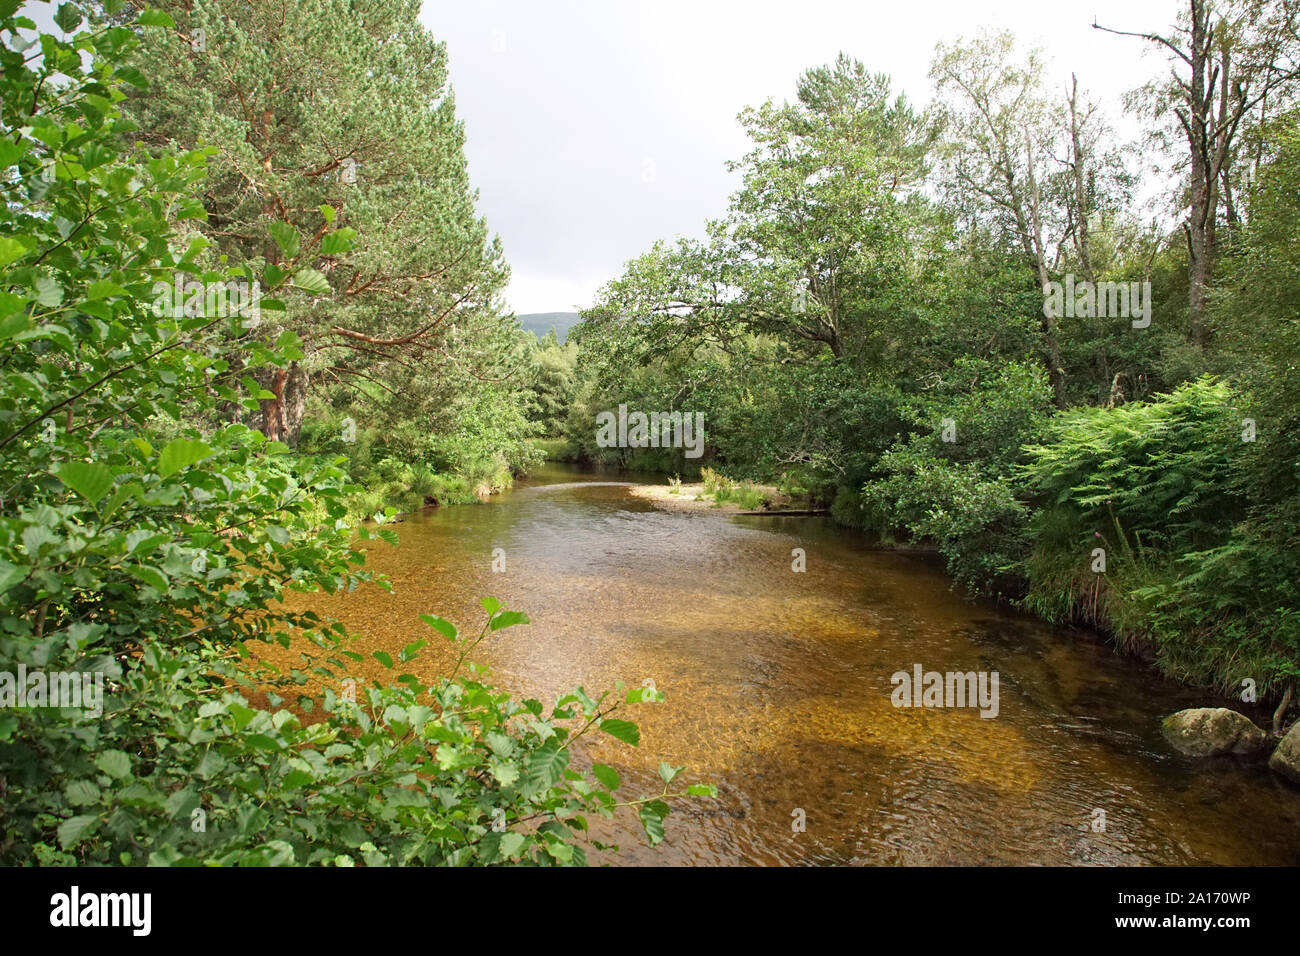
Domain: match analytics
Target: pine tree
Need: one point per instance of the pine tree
(328, 114)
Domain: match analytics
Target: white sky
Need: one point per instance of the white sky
(595, 127)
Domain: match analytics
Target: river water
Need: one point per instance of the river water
(778, 690)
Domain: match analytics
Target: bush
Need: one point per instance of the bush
(951, 481)
(1160, 487)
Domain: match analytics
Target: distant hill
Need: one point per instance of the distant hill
(539, 323)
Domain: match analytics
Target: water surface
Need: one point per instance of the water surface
(778, 687)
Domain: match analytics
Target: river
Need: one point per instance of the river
(778, 689)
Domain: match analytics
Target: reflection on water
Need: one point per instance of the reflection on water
(778, 687)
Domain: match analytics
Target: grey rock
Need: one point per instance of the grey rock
(1211, 731)
(1286, 757)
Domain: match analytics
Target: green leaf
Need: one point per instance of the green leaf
(383, 658)
(156, 18)
(511, 843)
(624, 730)
(508, 619)
(10, 249)
(667, 773)
(545, 767)
(340, 240)
(102, 289)
(11, 326)
(48, 292)
(10, 302)
(296, 779)
(607, 775)
(560, 851)
(286, 237)
(129, 74)
(89, 479)
(68, 17)
(505, 771)
(652, 820)
(310, 280)
(115, 763)
(702, 790)
(81, 793)
(74, 829)
(241, 714)
(150, 576)
(272, 276)
(10, 152)
(10, 574)
(180, 453)
(442, 626)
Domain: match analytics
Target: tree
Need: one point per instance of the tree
(998, 132)
(1228, 59)
(821, 241)
(334, 124)
(552, 381)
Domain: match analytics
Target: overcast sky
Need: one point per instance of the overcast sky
(595, 127)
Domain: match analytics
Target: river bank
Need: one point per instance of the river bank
(694, 496)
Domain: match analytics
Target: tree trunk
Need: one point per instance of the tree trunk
(1082, 201)
(1038, 253)
(281, 415)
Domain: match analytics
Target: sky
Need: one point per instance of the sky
(596, 127)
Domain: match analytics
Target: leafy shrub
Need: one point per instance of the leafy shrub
(452, 773)
(952, 483)
(976, 523)
(1160, 486)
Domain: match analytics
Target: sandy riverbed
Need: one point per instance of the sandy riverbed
(691, 497)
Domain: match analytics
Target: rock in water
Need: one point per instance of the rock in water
(1211, 731)
(1286, 758)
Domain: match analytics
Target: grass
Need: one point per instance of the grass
(722, 489)
(555, 449)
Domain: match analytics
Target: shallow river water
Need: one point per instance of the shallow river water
(778, 690)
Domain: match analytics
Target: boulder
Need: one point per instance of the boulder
(1211, 731)
(1286, 758)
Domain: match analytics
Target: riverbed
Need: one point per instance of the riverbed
(778, 686)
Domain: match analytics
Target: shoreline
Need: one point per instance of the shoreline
(691, 497)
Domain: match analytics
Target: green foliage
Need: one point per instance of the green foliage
(183, 769)
(951, 484)
(1160, 486)
(555, 449)
(552, 382)
(1162, 470)
(880, 272)
(337, 133)
(723, 489)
